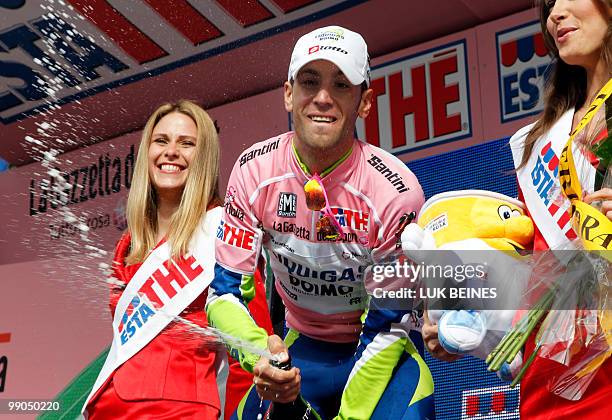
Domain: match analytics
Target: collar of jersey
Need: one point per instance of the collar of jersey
(327, 170)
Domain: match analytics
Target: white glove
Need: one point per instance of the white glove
(461, 332)
(417, 243)
(473, 332)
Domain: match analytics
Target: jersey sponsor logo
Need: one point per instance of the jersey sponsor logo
(287, 227)
(289, 292)
(296, 269)
(419, 101)
(235, 236)
(306, 281)
(234, 211)
(315, 289)
(252, 154)
(498, 402)
(350, 255)
(344, 237)
(287, 205)
(353, 219)
(281, 245)
(522, 64)
(230, 195)
(393, 177)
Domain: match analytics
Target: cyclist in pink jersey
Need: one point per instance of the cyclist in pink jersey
(323, 206)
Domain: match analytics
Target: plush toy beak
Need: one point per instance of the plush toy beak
(520, 230)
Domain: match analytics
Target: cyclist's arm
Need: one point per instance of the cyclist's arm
(238, 246)
(384, 337)
(383, 341)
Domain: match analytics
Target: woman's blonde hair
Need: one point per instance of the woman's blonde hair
(201, 188)
(566, 84)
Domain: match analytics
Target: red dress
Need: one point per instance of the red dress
(174, 375)
(538, 403)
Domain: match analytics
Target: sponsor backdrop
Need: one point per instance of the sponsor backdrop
(56, 246)
(445, 107)
(465, 389)
(104, 61)
(423, 100)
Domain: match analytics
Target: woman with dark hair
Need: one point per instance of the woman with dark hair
(578, 36)
(157, 367)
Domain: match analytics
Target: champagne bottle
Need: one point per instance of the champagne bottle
(300, 409)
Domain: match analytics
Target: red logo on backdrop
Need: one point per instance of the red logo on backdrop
(497, 402)
(420, 100)
(4, 338)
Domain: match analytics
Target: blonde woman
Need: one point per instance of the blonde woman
(158, 367)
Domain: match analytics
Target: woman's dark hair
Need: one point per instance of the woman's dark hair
(566, 84)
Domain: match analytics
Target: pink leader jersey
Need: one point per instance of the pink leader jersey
(320, 281)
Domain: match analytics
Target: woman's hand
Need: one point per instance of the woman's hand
(605, 196)
(275, 384)
(430, 337)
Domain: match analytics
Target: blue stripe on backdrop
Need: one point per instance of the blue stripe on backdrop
(485, 166)
(465, 389)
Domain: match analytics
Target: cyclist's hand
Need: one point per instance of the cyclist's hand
(430, 337)
(276, 384)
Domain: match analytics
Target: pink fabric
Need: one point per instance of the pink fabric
(339, 328)
(321, 281)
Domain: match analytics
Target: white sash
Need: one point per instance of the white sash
(539, 181)
(131, 336)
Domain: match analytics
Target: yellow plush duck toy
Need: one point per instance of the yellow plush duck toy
(470, 222)
(496, 219)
